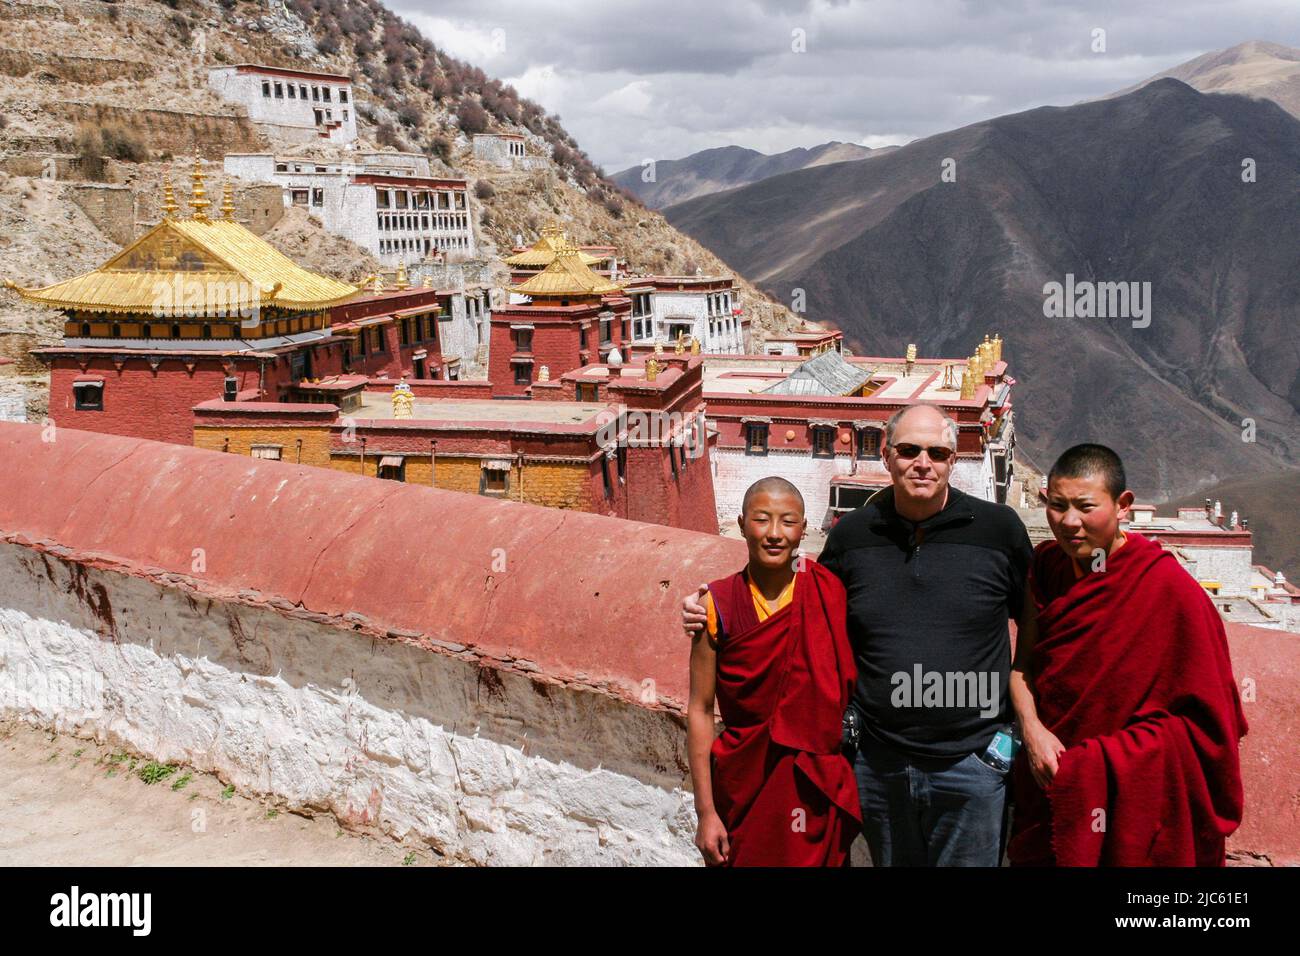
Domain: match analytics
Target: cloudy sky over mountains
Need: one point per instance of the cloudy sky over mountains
(636, 79)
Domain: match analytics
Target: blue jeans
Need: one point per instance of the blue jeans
(919, 811)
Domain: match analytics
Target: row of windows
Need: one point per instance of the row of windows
(440, 222)
(275, 89)
(419, 199)
(866, 445)
(425, 245)
(720, 303)
(726, 326)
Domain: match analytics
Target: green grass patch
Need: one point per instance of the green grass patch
(153, 771)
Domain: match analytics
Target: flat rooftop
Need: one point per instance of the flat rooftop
(379, 405)
(744, 374)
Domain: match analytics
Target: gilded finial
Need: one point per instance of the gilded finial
(198, 195)
(227, 201)
(377, 286)
(680, 345)
(651, 370)
(169, 201)
(401, 281)
(997, 346)
(695, 346)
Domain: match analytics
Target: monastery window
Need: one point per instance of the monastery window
(325, 93)
(176, 330)
(85, 330)
(345, 116)
(586, 391)
(582, 332)
(621, 456)
(343, 96)
(824, 441)
(523, 337)
(494, 481)
(315, 93)
(299, 196)
(266, 89)
(606, 330)
(207, 331)
(293, 91)
(146, 330)
(116, 331)
(523, 373)
(281, 167)
(302, 91)
(279, 91)
(424, 222)
(378, 332)
(392, 468)
(756, 438)
(361, 343)
(672, 460)
(88, 396)
(868, 443)
(403, 199)
(318, 197)
(405, 330)
(267, 452)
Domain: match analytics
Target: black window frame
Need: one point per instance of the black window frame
(824, 434)
(868, 444)
(761, 431)
(92, 388)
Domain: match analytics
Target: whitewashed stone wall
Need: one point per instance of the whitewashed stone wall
(1229, 566)
(487, 766)
(673, 307)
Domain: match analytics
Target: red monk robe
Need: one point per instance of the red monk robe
(781, 785)
(1131, 673)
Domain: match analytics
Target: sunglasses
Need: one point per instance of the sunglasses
(937, 453)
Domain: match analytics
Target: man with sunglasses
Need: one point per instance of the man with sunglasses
(933, 576)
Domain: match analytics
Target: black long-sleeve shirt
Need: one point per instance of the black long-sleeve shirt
(931, 598)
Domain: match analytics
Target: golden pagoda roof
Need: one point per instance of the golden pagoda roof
(567, 275)
(233, 269)
(542, 252)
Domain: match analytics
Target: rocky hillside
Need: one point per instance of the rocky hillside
(116, 92)
(713, 170)
(1146, 187)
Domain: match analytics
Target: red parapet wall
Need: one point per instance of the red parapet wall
(565, 596)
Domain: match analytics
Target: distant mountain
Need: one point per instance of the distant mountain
(1145, 187)
(713, 170)
(1257, 69)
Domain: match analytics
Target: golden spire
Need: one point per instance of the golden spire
(680, 346)
(198, 195)
(401, 281)
(227, 201)
(169, 201)
(651, 370)
(997, 346)
(695, 345)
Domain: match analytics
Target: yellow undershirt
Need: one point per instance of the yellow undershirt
(761, 607)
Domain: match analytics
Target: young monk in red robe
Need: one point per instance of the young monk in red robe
(774, 789)
(1128, 708)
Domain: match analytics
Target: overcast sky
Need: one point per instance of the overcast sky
(640, 79)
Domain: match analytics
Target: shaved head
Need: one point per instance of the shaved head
(771, 485)
(1088, 461)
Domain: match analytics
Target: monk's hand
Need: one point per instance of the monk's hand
(1044, 750)
(711, 840)
(694, 616)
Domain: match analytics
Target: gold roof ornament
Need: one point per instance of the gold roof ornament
(542, 252)
(911, 352)
(567, 275)
(377, 284)
(403, 401)
(170, 208)
(695, 346)
(227, 201)
(402, 281)
(199, 201)
(651, 369)
(968, 380)
(997, 347)
(680, 345)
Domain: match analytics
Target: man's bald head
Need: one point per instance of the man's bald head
(771, 485)
(916, 414)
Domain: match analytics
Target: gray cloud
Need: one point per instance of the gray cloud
(637, 79)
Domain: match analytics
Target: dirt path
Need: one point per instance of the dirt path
(66, 802)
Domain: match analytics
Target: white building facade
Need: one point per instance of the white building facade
(302, 106)
(700, 307)
(387, 203)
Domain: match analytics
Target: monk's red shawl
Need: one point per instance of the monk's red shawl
(781, 784)
(1131, 672)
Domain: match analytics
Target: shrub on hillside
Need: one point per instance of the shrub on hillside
(89, 147)
(409, 115)
(122, 142)
(471, 117)
(483, 189)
